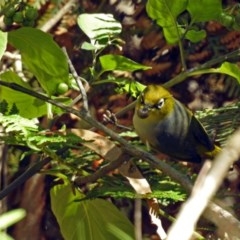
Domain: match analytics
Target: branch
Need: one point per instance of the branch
(57, 17)
(183, 75)
(134, 151)
(32, 170)
(78, 80)
(127, 147)
(195, 71)
(205, 188)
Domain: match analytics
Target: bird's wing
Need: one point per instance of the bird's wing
(200, 134)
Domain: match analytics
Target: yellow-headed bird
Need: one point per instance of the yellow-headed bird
(168, 126)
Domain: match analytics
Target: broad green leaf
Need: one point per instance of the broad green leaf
(195, 36)
(43, 57)
(9, 218)
(99, 27)
(112, 62)
(28, 106)
(230, 69)
(3, 43)
(165, 12)
(204, 10)
(88, 219)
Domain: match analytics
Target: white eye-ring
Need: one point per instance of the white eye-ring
(160, 103)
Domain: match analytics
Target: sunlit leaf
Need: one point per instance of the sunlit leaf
(9, 218)
(230, 69)
(88, 46)
(3, 43)
(112, 62)
(165, 12)
(43, 57)
(27, 106)
(88, 219)
(99, 27)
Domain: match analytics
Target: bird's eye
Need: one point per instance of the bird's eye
(160, 103)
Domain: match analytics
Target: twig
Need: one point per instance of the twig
(35, 168)
(126, 146)
(153, 161)
(183, 75)
(196, 70)
(78, 80)
(101, 172)
(204, 189)
(58, 16)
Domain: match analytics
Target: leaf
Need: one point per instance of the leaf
(204, 10)
(3, 43)
(28, 106)
(99, 27)
(195, 36)
(88, 46)
(9, 218)
(112, 62)
(165, 12)
(230, 69)
(16, 123)
(88, 219)
(42, 56)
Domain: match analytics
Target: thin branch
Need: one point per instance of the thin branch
(153, 161)
(183, 180)
(78, 80)
(183, 75)
(204, 189)
(32, 170)
(58, 16)
(101, 172)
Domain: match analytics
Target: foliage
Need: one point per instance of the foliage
(180, 19)
(46, 60)
(46, 69)
(88, 219)
(19, 12)
(8, 219)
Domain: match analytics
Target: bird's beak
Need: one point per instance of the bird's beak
(143, 111)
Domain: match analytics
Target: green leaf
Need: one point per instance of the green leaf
(129, 86)
(195, 36)
(165, 12)
(99, 27)
(11, 217)
(3, 43)
(5, 236)
(88, 46)
(16, 123)
(88, 219)
(173, 34)
(42, 56)
(112, 62)
(28, 106)
(230, 69)
(204, 10)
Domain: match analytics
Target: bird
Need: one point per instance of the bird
(166, 125)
